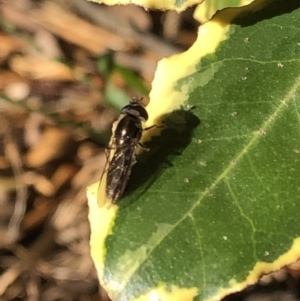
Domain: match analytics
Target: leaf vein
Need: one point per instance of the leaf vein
(200, 249)
(247, 218)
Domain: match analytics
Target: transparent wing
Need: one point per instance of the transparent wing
(119, 170)
(102, 197)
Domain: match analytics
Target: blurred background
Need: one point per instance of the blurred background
(67, 67)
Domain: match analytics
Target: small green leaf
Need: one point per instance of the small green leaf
(132, 80)
(105, 64)
(115, 96)
(215, 203)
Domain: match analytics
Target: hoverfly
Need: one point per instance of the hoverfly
(121, 153)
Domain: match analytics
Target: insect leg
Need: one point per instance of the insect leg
(144, 146)
(153, 126)
(146, 129)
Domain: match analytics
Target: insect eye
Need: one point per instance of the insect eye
(142, 113)
(135, 110)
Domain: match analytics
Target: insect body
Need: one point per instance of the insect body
(127, 132)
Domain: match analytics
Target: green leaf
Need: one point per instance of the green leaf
(215, 203)
(115, 96)
(105, 64)
(132, 80)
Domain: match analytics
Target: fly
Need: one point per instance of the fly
(121, 154)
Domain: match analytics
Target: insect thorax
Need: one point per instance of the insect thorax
(128, 131)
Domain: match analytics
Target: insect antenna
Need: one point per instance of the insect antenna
(136, 100)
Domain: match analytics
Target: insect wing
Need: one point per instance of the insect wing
(102, 197)
(119, 171)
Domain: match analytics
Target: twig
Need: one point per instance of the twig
(14, 157)
(28, 258)
(103, 17)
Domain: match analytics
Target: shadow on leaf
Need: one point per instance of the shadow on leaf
(270, 10)
(173, 139)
